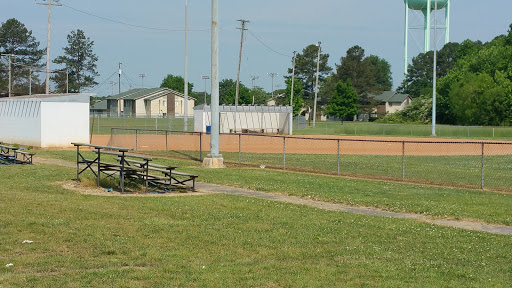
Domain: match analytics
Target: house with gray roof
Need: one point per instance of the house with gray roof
(150, 102)
(391, 102)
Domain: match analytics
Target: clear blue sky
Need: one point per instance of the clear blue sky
(284, 26)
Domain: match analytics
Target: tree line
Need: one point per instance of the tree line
(77, 62)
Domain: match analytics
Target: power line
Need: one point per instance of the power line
(132, 25)
(268, 47)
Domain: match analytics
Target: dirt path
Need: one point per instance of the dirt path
(207, 188)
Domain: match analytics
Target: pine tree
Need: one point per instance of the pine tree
(80, 63)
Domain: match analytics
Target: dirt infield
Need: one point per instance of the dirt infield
(314, 144)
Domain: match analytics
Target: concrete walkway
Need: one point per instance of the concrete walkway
(214, 188)
(468, 225)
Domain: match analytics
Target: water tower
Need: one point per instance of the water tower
(426, 7)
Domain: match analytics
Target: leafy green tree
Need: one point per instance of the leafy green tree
(478, 100)
(227, 92)
(80, 62)
(298, 102)
(260, 96)
(368, 74)
(16, 39)
(176, 83)
(420, 72)
(344, 101)
(305, 70)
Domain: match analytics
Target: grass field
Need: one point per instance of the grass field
(454, 170)
(227, 241)
(403, 130)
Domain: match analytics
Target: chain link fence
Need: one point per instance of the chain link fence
(472, 164)
(406, 130)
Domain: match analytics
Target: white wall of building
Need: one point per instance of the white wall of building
(70, 124)
(45, 120)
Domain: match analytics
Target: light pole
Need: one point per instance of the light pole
(253, 78)
(316, 86)
(435, 74)
(142, 76)
(205, 78)
(272, 75)
(185, 107)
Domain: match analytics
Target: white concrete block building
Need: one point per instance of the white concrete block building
(45, 120)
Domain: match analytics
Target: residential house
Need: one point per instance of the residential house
(150, 102)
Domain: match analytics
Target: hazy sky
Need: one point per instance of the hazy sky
(282, 26)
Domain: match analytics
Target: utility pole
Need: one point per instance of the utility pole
(205, 78)
(119, 101)
(272, 75)
(142, 76)
(10, 75)
(293, 78)
(253, 78)
(112, 84)
(49, 4)
(242, 29)
(185, 107)
(10, 72)
(435, 74)
(30, 80)
(120, 71)
(67, 81)
(316, 86)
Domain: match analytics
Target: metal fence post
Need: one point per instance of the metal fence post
(136, 140)
(338, 157)
(200, 146)
(284, 152)
(403, 160)
(166, 149)
(239, 148)
(482, 183)
(112, 136)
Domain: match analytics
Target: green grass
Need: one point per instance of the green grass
(482, 205)
(227, 241)
(103, 125)
(456, 170)
(403, 130)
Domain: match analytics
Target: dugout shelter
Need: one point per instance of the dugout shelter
(246, 119)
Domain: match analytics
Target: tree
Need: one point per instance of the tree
(343, 102)
(176, 83)
(418, 80)
(227, 91)
(367, 74)
(305, 69)
(16, 39)
(259, 95)
(298, 102)
(478, 100)
(80, 62)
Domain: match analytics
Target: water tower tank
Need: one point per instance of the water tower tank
(422, 4)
